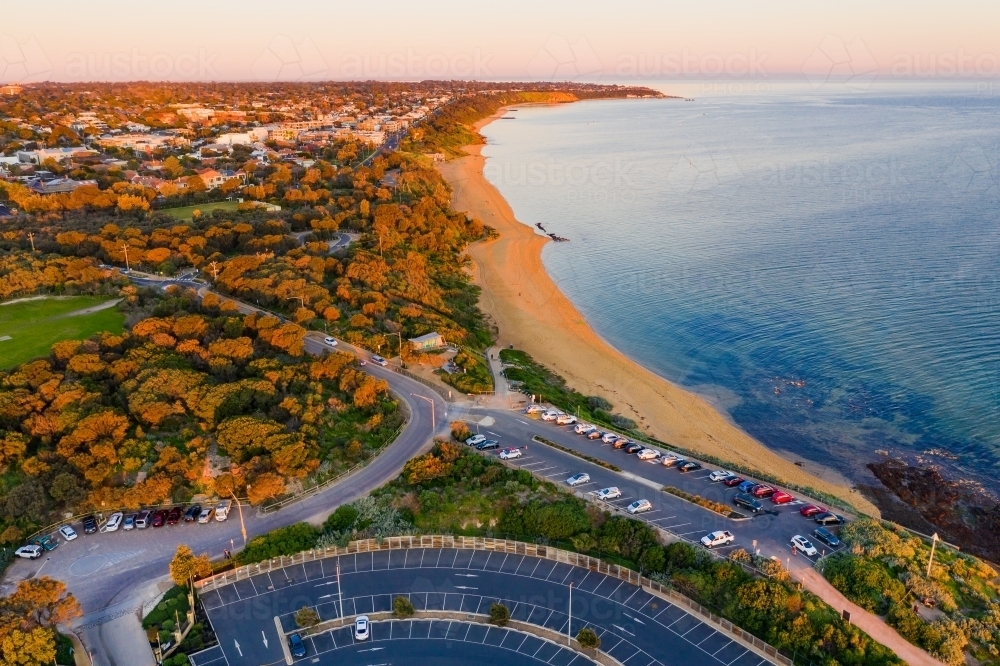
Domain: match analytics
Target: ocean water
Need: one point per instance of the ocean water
(824, 265)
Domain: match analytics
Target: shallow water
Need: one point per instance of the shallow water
(825, 266)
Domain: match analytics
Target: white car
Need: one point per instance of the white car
(31, 552)
(609, 437)
(719, 475)
(578, 479)
(648, 454)
(804, 545)
(508, 454)
(608, 493)
(583, 428)
(361, 628)
(330, 342)
(639, 506)
(534, 409)
(114, 522)
(67, 532)
(551, 415)
(565, 419)
(475, 439)
(378, 360)
(720, 538)
(205, 516)
(668, 459)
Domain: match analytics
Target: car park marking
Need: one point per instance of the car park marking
(623, 629)
(655, 520)
(670, 527)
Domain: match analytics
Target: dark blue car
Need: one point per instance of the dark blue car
(298, 647)
(747, 486)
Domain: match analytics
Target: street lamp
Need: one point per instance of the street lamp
(433, 425)
(239, 508)
(934, 540)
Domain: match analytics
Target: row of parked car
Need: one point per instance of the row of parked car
(133, 521)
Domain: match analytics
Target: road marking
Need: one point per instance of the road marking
(463, 587)
(623, 629)
(493, 433)
(238, 648)
(670, 527)
(634, 619)
(659, 519)
(264, 637)
(468, 575)
(374, 649)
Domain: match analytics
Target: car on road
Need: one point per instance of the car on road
(622, 442)
(828, 519)
(583, 428)
(46, 542)
(639, 506)
(720, 538)
(160, 518)
(30, 552)
(534, 409)
(89, 525)
(719, 475)
(594, 434)
(689, 467)
(733, 481)
(747, 502)
(144, 518)
(762, 490)
(114, 522)
(551, 415)
(810, 510)
(129, 522)
(488, 445)
(565, 419)
(378, 360)
(669, 460)
(296, 646)
(174, 516)
(475, 439)
(222, 511)
(192, 513)
(362, 361)
(827, 537)
(67, 532)
(606, 494)
(508, 454)
(781, 497)
(206, 515)
(578, 479)
(648, 454)
(361, 628)
(804, 545)
(329, 342)
(609, 437)
(747, 486)
(633, 447)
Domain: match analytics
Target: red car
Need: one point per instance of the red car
(762, 490)
(159, 518)
(781, 497)
(174, 516)
(733, 481)
(812, 510)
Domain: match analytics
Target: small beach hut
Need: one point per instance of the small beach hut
(432, 340)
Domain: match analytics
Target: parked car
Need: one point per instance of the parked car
(804, 545)
(733, 481)
(114, 522)
(689, 467)
(534, 409)
(46, 542)
(129, 522)
(746, 486)
(594, 434)
(827, 537)
(647, 454)
(296, 646)
(488, 445)
(551, 415)
(89, 525)
(206, 515)
(475, 439)
(565, 419)
(608, 493)
(633, 447)
(30, 552)
(329, 342)
(720, 538)
(361, 628)
(583, 428)
(144, 518)
(160, 518)
(192, 513)
(378, 360)
(781, 497)
(609, 437)
(828, 519)
(222, 510)
(622, 442)
(639, 506)
(747, 502)
(669, 460)
(578, 479)
(719, 475)
(508, 454)
(67, 532)
(174, 516)
(762, 490)
(810, 510)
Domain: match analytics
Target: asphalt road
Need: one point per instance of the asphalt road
(635, 627)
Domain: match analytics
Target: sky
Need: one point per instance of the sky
(620, 41)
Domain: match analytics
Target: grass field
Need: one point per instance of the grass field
(185, 212)
(34, 326)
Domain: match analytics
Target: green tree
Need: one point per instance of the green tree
(306, 617)
(499, 614)
(402, 608)
(186, 565)
(588, 638)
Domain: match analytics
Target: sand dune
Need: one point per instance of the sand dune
(534, 315)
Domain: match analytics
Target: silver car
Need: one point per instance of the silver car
(578, 479)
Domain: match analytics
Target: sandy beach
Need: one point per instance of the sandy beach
(535, 316)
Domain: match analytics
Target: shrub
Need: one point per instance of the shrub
(341, 519)
(597, 402)
(499, 614)
(460, 431)
(306, 617)
(283, 541)
(622, 422)
(865, 582)
(401, 607)
(588, 638)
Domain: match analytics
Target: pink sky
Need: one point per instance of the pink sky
(516, 39)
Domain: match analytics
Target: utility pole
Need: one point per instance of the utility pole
(340, 597)
(31, 239)
(215, 270)
(433, 424)
(569, 625)
(239, 507)
(934, 540)
(125, 250)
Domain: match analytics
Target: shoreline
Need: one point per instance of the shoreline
(533, 314)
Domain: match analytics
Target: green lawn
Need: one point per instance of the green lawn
(185, 212)
(34, 326)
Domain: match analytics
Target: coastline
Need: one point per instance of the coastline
(535, 316)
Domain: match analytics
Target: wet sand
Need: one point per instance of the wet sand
(535, 316)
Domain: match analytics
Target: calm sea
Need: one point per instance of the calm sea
(824, 265)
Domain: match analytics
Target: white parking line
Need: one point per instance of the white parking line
(659, 519)
(670, 527)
